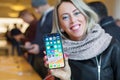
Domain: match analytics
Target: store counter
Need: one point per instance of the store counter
(16, 68)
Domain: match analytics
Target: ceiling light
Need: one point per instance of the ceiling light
(18, 7)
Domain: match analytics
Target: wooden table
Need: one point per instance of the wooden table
(4, 47)
(16, 68)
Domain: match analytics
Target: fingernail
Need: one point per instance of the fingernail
(66, 55)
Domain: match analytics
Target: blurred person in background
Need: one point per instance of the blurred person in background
(44, 26)
(15, 31)
(107, 22)
(19, 40)
(10, 40)
(8, 37)
(30, 32)
(29, 18)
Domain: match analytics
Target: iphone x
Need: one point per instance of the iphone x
(54, 50)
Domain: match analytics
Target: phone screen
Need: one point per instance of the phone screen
(54, 50)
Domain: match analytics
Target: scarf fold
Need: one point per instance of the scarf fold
(94, 44)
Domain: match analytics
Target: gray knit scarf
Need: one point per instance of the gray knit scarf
(94, 44)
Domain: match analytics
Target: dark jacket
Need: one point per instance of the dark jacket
(31, 31)
(38, 63)
(109, 25)
(30, 36)
(108, 62)
(42, 30)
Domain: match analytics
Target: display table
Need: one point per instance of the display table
(16, 68)
(5, 48)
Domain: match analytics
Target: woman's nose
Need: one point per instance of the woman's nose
(73, 19)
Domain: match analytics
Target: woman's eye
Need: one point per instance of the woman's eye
(76, 13)
(65, 17)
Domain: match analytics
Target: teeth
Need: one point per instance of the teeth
(75, 27)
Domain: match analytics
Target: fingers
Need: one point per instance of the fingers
(66, 56)
(45, 61)
(27, 44)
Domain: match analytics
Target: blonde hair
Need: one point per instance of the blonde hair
(90, 15)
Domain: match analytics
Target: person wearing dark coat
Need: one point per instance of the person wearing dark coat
(30, 32)
(44, 26)
(18, 40)
(107, 22)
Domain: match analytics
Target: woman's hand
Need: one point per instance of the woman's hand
(62, 73)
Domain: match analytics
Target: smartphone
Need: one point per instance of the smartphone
(54, 50)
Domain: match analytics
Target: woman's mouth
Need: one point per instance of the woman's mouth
(75, 27)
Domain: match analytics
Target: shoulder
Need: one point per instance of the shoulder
(114, 47)
(50, 13)
(115, 43)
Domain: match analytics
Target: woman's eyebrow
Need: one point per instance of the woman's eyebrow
(75, 10)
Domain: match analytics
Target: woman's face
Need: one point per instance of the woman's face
(72, 21)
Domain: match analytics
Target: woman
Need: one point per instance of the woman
(93, 54)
